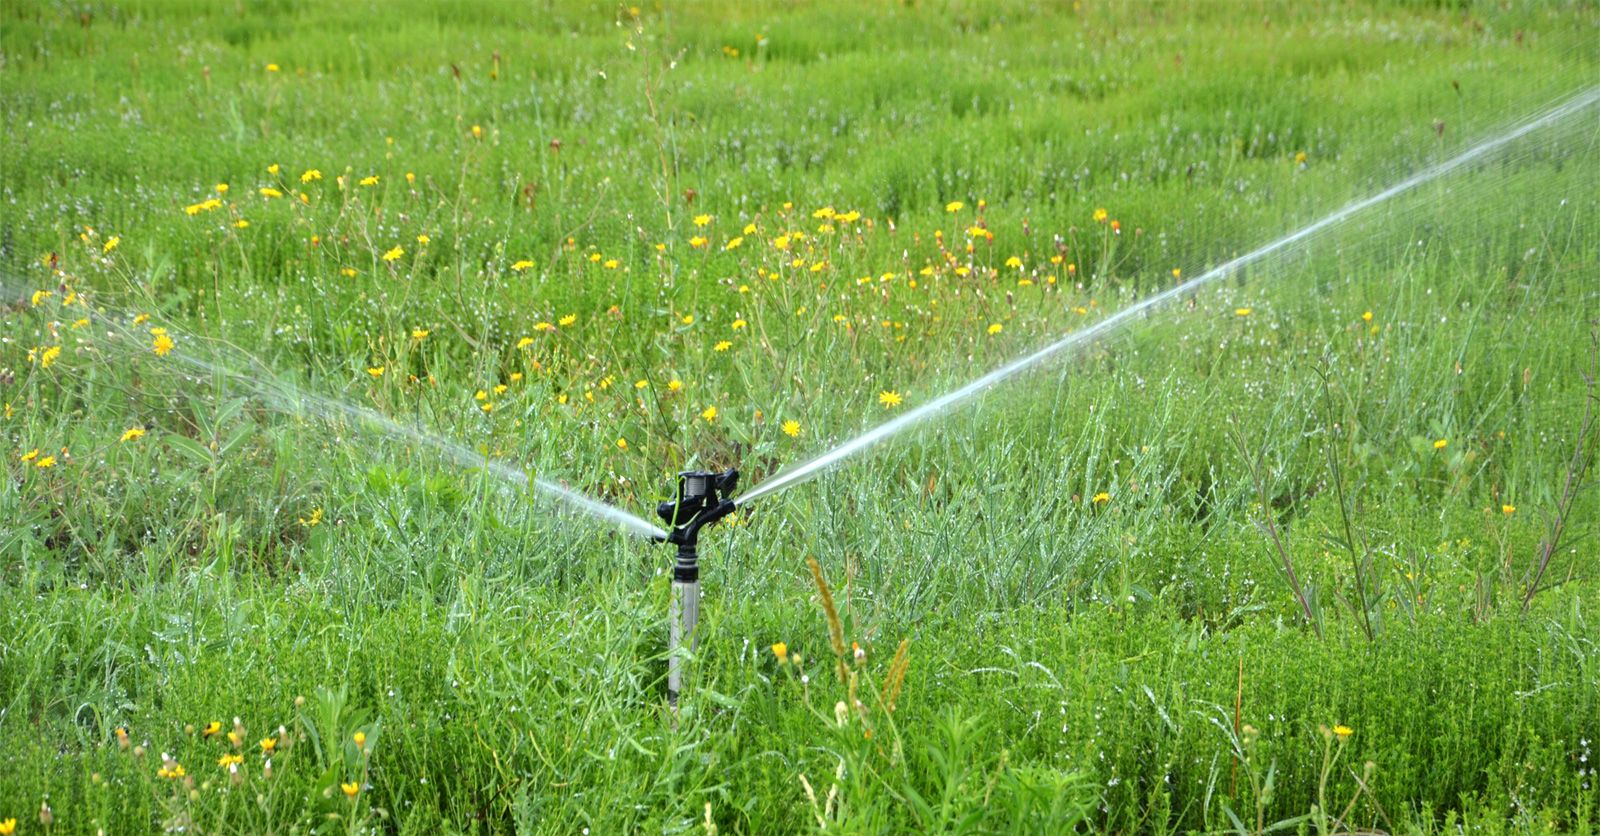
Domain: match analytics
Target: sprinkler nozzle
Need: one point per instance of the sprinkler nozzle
(702, 500)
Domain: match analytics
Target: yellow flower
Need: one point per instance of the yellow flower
(49, 356)
(487, 407)
(163, 345)
(995, 328)
(1366, 316)
(268, 744)
(516, 376)
(702, 220)
(47, 461)
(1241, 311)
(500, 389)
(612, 264)
(423, 239)
(269, 192)
(567, 320)
(241, 224)
(375, 371)
(1100, 216)
(272, 68)
(394, 254)
(723, 346)
(733, 243)
(310, 175)
(1508, 509)
(889, 399)
(739, 323)
(1441, 444)
(8, 827)
(1014, 262)
(791, 428)
(222, 188)
(133, 434)
(348, 272)
(477, 132)
(594, 258)
(1300, 159)
(40, 296)
(688, 319)
(369, 180)
(419, 334)
(622, 444)
(698, 241)
(674, 385)
(212, 728)
(272, 169)
(542, 326)
(781, 651)
(314, 520)
(350, 789)
(1342, 731)
(781, 242)
(360, 739)
(229, 760)
(111, 244)
(521, 265)
(954, 206)
(710, 413)
(524, 342)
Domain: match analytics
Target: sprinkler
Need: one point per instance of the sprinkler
(701, 502)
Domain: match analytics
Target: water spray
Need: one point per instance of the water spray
(702, 500)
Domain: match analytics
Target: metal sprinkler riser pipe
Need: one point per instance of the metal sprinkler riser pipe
(700, 503)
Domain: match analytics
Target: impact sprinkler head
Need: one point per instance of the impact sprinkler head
(702, 500)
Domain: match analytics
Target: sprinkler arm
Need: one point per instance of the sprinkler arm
(701, 501)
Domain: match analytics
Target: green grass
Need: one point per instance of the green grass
(1133, 663)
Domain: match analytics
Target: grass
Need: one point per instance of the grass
(1099, 631)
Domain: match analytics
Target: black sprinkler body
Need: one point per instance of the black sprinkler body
(702, 500)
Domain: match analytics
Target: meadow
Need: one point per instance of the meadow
(295, 296)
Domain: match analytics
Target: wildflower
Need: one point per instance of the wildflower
(516, 376)
(163, 344)
(1101, 498)
(350, 789)
(487, 408)
(411, 178)
(674, 385)
(521, 265)
(360, 739)
(212, 728)
(1241, 311)
(1177, 273)
(698, 241)
(348, 272)
(40, 296)
(688, 319)
(310, 175)
(889, 399)
(1342, 731)
(781, 242)
(369, 180)
(29, 456)
(543, 326)
(567, 320)
(229, 760)
(272, 68)
(268, 744)
(1508, 509)
(47, 461)
(702, 220)
(733, 243)
(791, 428)
(419, 334)
(1366, 316)
(122, 737)
(111, 243)
(995, 328)
(241, 224)
(500, 389)
(269, 192)
(781, 651)
(423, 239)
(1116, 226)
(622, 444)
(1100, 216)
(394, 254)
(375, 371)
(49, 356)
(954, 206)
(314, 520)
(133, 434)
(1300, 158)
(477, 132)
(524, 342)
(611, 264)
(1014, 263)
(710, 414)
(222, 188)
(1441, 444)
(723, 346)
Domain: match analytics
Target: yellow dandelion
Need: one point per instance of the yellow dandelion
(40, 295)
(163, 345)
(423, 239)
(1441, 444)
(241, 224)
(477, 132)
(889, 399)
(47, 461)
(29, 456)
(524, 342)
(487, 407)
(48, 358)
(1366, 316)
(622, 444)
(221, 188)
(698, 241)
(111, 243)
(521, 265)
(723, 346)
(710, 413)
(1242, 311)
(268, 744)
(419, 334)
(269, 192)
(1100, 216)
(132, 434)
(310, 175)
(352, 788)
(674, 385)
(1101, 498)
(781, 651)
(369, 180)
(542, 326)
(995, 328)
(1014, 263)
(791, 428)
(733, 243)
(568, 320)
(1342, 731)
(348, 272)
(954, 206)
(1508, 509)
(272, 68)
(702, 220)
(394, 254)
(375, 371)
(739, 323)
